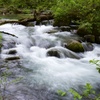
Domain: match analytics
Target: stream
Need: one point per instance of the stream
(44, 75)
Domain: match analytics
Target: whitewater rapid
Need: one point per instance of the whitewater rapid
(55, 73)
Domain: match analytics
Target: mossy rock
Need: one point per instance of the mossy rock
(61, 21)
(54, 53)
(89, 38)
(75, 46)
(84, 29)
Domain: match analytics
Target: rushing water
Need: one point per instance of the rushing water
(48, 74)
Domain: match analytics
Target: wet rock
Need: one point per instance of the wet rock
(65, 28)
(83, 31)
(13, 58)
(7, 45)
(12, 52)
(89, 38)
(54, 53)
(61, 52)
(52, 31)
(88, 46)
(75, 46)
(65, 21)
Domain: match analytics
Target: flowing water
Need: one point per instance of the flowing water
(47, 74)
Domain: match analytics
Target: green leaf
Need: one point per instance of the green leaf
(75, 94)
(61, 93)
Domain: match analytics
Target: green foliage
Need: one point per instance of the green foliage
(86, 26)
(76, 95)
(97, 63)
(61, 93)
(78, 10)
(88, 90)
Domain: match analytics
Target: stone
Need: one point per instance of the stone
(65, 28)
(54, 53)
(13, 58)
(75, 46)
(90, 38)
(87, 46)
(12, 52)
(61, 52)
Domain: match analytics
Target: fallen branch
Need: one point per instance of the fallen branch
(8, 34)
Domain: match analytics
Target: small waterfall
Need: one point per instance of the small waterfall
(48, 73)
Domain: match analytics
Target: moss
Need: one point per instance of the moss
(61, 21)
(90, 38)
(75, 46)
(84, 29)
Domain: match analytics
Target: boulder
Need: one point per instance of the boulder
(82, 32)
(65, 28)
(89, 38)
(54, 53)
(75, 46)
(64, 21)
(87, 46)
(52, 31)
(61, 52)
(84, 29)
(12, 52)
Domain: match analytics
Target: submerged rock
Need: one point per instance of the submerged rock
(61, 52)
(88, 46)
(54, 53)
(13, 58)
(52, 31)
(7, 45)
